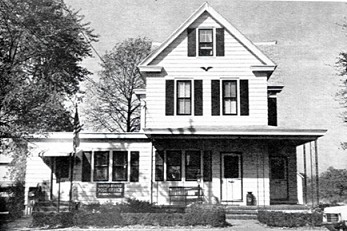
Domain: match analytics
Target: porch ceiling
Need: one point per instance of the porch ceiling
(298, 136)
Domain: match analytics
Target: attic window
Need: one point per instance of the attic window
(205, 42)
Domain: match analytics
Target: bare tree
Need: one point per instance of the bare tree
(111, 103)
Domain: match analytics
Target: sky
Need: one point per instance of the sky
(309, 36)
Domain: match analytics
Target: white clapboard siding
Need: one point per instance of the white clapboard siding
(156, 118)
(38, 171)
(177, 65)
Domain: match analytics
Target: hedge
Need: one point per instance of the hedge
(111, 216)
(289, 219)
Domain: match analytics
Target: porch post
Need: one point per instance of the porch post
(317, 171)
(312, 182)
(305, 176)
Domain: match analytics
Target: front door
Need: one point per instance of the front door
(231, 177)
(278, 178)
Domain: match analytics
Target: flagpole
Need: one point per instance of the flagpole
(77, 128)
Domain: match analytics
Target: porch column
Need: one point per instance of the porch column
(305, 175)
(317, 171)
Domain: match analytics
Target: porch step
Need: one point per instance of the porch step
(241, 212)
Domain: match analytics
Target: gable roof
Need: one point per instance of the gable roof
(220, 19)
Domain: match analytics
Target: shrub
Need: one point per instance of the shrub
(200, 214)
(63, 219)
(136, 206)
(289, 219)
(103, 218)
(195, 215)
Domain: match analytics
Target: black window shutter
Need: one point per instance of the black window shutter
(244, 97)
(272, 111)
(198, 101)
(215, 97)
(169, 97)
(86, 166)
(220, 42)
(191, 42)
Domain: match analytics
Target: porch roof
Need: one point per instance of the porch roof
(300, 136)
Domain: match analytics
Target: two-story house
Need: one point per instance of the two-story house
(208, 119)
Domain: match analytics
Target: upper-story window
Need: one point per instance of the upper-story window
(184, 97)
(187, 96)
(229, 97)
(205, 42)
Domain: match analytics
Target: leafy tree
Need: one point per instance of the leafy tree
(42, 43)
(333, 185)
(111, 103)
(41, 46)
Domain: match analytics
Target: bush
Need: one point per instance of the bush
(104, 218)
(199, 214)
(194, 215)
(53, 220)
(289, 219)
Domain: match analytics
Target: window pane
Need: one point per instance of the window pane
(173, 166)
(230, 106)
(229, 89)
(101, 165)
(193, 164)
(183, 89)
(231, 167)
(205, 36)
(184, 106)
(101, 174)
(120, 166)
(101, 158)
(174, 173)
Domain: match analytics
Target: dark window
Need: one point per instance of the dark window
(159, 165)
(193, 165)
(207, 160)
(278, 168)
(173, 165)
(134, 166)
(62, 167)
(120, 166)
(86, 166)
(229, 97)
(198, 98)
(206, 42)
(231, 166)
(101, 166)
(184, 98)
